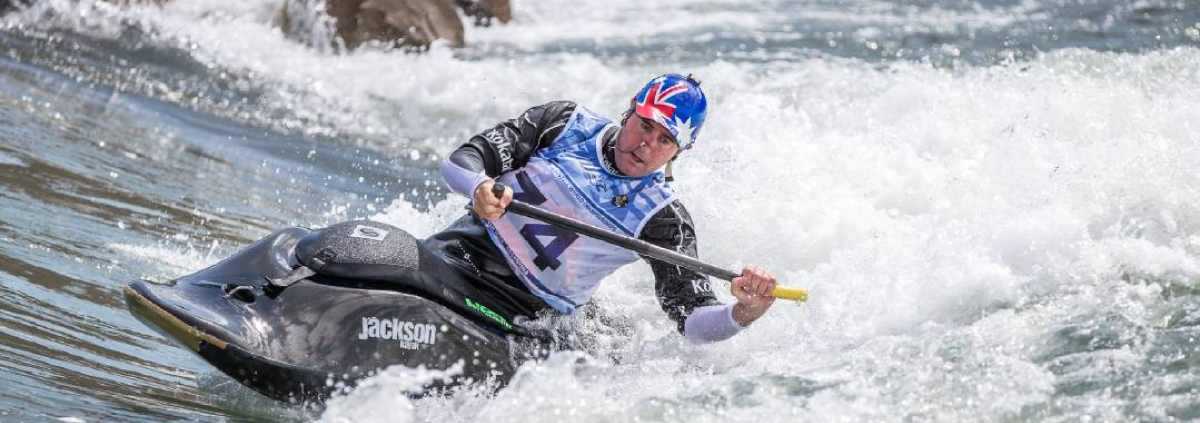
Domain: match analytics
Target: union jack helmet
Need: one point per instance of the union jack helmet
(675, 102)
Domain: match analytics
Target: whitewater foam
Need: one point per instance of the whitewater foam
(950, 224)
(981, 242)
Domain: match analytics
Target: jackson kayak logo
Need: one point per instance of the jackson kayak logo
(410, 335)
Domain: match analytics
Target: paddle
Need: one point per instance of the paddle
(636, 245)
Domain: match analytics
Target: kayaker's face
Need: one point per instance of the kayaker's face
(643, 146)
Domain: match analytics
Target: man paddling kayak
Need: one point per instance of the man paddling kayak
(302, 313)
(567, 159)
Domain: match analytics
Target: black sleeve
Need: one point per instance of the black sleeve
(680, 290)
(510, 144)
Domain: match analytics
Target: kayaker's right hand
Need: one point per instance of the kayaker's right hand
(486, 204)
(753, 292)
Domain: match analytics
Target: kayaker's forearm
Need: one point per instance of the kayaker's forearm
(710, 324)
(744, 314)
(680, 290)
(464, 170)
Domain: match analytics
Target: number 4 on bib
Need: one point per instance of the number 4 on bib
(547, 254)
(560, 239)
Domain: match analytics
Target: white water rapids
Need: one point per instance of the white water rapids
(1016, 240)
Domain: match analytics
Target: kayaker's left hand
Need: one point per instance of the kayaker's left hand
(487, 205)
(753, 292)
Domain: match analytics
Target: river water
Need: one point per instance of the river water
(995, 204)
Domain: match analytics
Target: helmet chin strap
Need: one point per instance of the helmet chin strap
(667, 171)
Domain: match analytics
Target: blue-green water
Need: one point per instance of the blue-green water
(995, 204)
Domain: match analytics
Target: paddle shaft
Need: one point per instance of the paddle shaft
(636, 245)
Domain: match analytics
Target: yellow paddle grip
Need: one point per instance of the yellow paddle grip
(790, 293)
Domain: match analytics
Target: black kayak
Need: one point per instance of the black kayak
(301, 314)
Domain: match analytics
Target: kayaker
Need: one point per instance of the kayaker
(565, 158)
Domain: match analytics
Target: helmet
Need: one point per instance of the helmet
(675, 102)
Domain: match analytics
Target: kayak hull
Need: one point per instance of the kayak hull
(317, 336)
